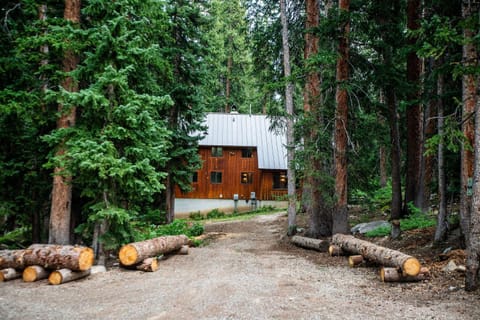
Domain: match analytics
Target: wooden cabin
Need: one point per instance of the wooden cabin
(242, 159)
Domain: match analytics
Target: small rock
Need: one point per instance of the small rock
(450, 267)
(369, 226)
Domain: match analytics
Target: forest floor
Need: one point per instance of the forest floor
(249, 270)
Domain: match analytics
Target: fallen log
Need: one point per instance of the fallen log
(9, 274)
(12, 259)
(355, 260)
(393, 275)
(310, 243)
(134, 253)
(51, 256)
(66, 275)
(384, 256)
(148, 265)
(34, 273)
(335, 251)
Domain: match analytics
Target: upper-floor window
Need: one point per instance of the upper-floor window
(217, 152)
(247, 153)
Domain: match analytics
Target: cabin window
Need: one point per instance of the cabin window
(279, 180)
(195, 177)
(217, 152)
(247, 153)
(215, 177)
(246, 177)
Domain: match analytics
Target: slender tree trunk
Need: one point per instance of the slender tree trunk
(292, 204)
(382, 151)
(62, 189)
(228, 83)
(320, 216)
(413, 186)
(396, 208)
(441, 229)
(469, 86)
(170, 200)
(340, 217)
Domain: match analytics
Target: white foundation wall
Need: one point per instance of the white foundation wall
(183, 207)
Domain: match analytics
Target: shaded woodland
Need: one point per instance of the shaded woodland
(100, 100)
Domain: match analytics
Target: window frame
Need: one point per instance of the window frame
(248, 176)
(214, 177)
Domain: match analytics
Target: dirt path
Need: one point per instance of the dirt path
(245, 272)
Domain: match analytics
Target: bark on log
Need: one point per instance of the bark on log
(310, 243)
(384, 256)
(51, 256)
(355, 260)
(393, 275)
(148, 265)
(9, 274)
(34, 273)
(335, 251)
(12, 259)
(134, 253)
(66, 275)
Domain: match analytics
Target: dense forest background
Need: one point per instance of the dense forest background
(99, 101)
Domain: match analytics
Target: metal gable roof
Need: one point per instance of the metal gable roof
(245, 130)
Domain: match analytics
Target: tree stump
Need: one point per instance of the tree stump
(384, 256)
(134, 253)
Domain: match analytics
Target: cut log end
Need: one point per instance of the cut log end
(335, 251)
(128, 255)
(148, 265)
(9, 274)
(34, 273)
(55, 278)
(86, 259)
(411, 267)
(355, 260)
(66, 275)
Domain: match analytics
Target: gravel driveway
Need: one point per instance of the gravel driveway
(243, 273)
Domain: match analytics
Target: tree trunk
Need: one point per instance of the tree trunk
(9, 274)
(469, 98)
(34, 273)
(56, 256)
(392, 275)
(169, 200)
(310, 243)
(413, 188)
(320, 215)
(340, 216)
(442, 222)
(384, 256)
(66, 275)
(62, 188)
(396, 207)
(134, 253)
(292, 203)
(228, 83)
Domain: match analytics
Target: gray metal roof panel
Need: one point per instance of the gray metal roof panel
(244, 130)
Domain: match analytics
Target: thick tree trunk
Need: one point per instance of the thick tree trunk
(35, 273)
(310, 243)
(442, 222)
(384, 256)
(392, 275)
(469, 98)
(320, 215)
(52, 256)
(134, 253)
(9, 274)
(66, 275)
(414, 114)
(292, 203)
(340, 216)
(62, 187)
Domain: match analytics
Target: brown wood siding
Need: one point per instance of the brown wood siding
(231, 165)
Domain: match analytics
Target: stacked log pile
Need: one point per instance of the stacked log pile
(143, 255)
(39, 260)
(396, 266)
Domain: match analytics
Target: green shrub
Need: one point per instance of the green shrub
(196, 216)
(414, 221)
(215, 213)
(379, 232)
